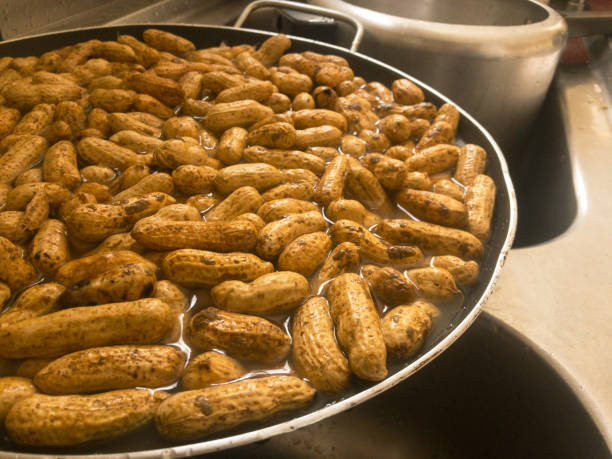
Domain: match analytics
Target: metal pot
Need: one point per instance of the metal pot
(495, 58)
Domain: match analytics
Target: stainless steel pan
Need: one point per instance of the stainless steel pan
(146, 443)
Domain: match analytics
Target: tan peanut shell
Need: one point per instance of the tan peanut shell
(464, 272)
(136, 322)
(389, 285)
(12, 228)
(433, 207)
(405, 327)
(16, 272)
(390, 172)
(433, 159)
(305, 253)
(200, 268)
(344, 258)
(210, 368)
(349, 209)
(95, 222)
(435, 284)
(242, 336)
(439, 132)
(281, 208)
(471, 161)
(436, 239)
(13, 389)
(33, 302)
(60, 165)
(258, 175)
(231, 114)
(22, 155)
(480, 203)
(406, 92)
(231, 145)
(29, 367)
(320, 136)
(98, 174)
(285, 159)
(332, 183)
(166, 41)
(129, 282)
(97, 263)
(275, 236)
(195, 414)
(165, 90)
(449, 114)
(358, 326)
(449, 188)
(373, 248)
(99, 151)
(308, 118)
(159, 182)
(135, 141)
(273, 135)
(5, 294)
(296, 190)
(271, 293)
(46, 420)
(113, 367)
(315, 352)
(242, 200)
(219, 236)
(365, 187)
(49, 248)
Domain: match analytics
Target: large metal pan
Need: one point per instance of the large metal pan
(145, 444)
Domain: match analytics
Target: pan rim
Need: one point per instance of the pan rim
(209, 446)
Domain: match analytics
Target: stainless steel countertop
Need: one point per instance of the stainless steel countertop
(557, 294)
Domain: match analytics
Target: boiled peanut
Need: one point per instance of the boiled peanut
(405, 327)
(390, 172)
(195, 414)
(95, 222)
(231, 145)
(450, 189)
(389, 285)
(240, 335)
(471, 161)
(285, 159)
(275, 236)
(373, 248)
(296, 190)
(435, 284)
(242, 200)
(210, 368)
(165, 90)
(29, 367)
(342, 259)
(406, 92)
(5, 294)
(113, 367)
(12, 228)
(358, 326)
(433, 207)
(33, 302)
(353, 146)
(281, 208)
(220, 236)
(46, 420)
(331, 185)
(320, 136)
(203, 268)
(90, 266)
(124, 283)
(21, 156)
(272, 293)
(365, 187)
(13, 389)
(132, 121)
(349, 209)
(436, 239)
(464, 272)
(16, 272)
(433, 159)
(99, 151)
(98, 174)
(230, 114)
(440, 132)
(480, 203)
(135, 141)
(50, 247)
(137, 322)
(305, 253)
(315, 352)
(258, 175)
(160, 182)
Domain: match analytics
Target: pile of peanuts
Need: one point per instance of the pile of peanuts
(165, 209)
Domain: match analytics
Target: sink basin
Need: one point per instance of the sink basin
(489, 395)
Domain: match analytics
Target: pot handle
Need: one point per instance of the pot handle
(306, 9)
